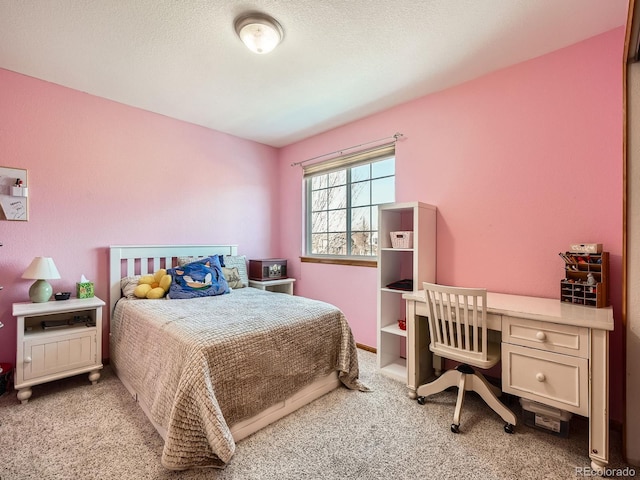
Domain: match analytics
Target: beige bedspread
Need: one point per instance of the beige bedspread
(205, 364)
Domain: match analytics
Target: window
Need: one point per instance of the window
(342, 198)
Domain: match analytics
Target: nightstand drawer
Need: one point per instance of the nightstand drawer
(561, 381)
(50, 355)
(553, 337)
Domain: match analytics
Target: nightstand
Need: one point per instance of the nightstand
(57, 339)
(282, 285)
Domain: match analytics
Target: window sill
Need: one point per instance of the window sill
(355, 262)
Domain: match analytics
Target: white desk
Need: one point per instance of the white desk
(552, 352)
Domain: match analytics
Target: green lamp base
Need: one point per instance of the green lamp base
(40, 291)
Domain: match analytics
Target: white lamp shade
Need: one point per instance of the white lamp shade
(260, 33)
(41, 268)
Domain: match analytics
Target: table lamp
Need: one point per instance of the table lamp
(41, 269)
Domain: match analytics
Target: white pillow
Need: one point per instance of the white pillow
(128, 285)
(240, 262)
(233, 277)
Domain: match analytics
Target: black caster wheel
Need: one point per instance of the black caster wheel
(421, 400)
(508, 428)
(456, 428)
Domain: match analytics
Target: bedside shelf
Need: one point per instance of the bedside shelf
(46, 354)
(282, 285)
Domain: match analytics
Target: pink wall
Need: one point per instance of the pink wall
(520, 164)
(101, 173)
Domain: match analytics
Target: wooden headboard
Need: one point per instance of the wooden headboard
(129, 260)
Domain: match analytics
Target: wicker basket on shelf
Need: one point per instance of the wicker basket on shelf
(401, 239)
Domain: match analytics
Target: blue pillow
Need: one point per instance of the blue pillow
(198, 279)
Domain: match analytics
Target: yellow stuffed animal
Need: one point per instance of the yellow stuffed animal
(153, 286)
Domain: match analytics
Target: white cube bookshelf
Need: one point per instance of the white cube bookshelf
(417, 263)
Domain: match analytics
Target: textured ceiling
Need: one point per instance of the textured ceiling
(340, 60)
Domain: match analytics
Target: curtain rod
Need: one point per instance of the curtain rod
(395, 137)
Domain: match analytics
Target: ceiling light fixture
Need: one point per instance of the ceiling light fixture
(259, 32)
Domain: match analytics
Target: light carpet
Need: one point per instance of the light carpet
(70, 429)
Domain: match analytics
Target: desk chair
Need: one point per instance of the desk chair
(458, 330)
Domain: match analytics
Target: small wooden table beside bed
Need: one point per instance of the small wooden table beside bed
(210, 371)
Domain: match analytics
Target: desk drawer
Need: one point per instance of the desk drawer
(561, 381)
(553, 337)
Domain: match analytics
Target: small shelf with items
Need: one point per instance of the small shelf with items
(60, 323)
(406, 258)
(586, 279)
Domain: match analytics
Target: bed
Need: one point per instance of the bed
(210, 371)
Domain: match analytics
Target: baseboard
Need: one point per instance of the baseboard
(367, 348)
